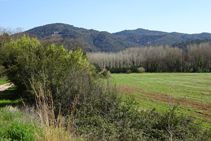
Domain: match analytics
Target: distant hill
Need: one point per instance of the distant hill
(96, 41)
(149, 37)
(108, 42)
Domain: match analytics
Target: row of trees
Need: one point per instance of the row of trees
(197, 58)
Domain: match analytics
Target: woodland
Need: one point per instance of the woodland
(195, 58)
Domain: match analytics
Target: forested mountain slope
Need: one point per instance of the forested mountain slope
(149, 37)
(95, 40)
(107, 42)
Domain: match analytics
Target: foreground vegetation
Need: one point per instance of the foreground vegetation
(23, 124)
(16, 125)
(70, 98)
(28, 123)
(157, 90)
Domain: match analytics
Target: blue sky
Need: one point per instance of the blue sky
(186, 16)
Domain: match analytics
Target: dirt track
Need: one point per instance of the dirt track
(4, 87)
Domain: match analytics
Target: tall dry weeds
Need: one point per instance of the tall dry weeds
(53, 128)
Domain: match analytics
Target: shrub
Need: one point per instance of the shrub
(121, 69)
(104, 73)
(28, 59)
(205, 70)
(129, 71)
(110, 118)
(141, 70)
(97, 67)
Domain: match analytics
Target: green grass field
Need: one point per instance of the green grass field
(160, 90)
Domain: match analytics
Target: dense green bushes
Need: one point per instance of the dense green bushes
(97, 67)
(104, 74)
(27, 60)
(131, 69)
(122, 69)
(124, 121)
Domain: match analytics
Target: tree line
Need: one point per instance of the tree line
(197, 58)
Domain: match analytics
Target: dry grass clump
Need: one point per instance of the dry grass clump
(54, 128)
(34, 124)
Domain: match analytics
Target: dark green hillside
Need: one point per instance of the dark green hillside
(139, 31)
(104, 41)
(95, 40)
(142, 40)
(149, 37)
(108, 42)
(186, 37)
(184, 45)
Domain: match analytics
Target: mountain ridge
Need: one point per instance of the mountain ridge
(114, 42)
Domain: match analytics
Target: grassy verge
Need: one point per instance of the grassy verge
(3, 80)
(14, 123)
(17, 125)
(9, 97)
(157, 90)
(23, 123)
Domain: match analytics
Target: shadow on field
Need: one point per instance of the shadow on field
(9, 97)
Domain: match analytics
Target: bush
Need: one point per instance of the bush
(113, 119)
(122, 69)
(97, 67)
(191, 70)
(104, 74)
(129, 71)
(27, 59)
(141, 70)
(205, 70)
